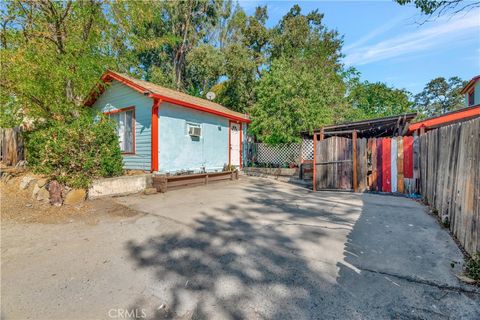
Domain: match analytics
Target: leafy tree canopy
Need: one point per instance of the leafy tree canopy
(52, 53)
(289, 77)
(439, 96)
(374, 100)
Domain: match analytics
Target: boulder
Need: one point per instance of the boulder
(55, 191)
(35, 191)
(43, 195)
(26, 181)
(75, 196)
(150, 191)
(41, 182)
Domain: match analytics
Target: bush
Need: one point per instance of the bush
(76, 152)
(473, 267)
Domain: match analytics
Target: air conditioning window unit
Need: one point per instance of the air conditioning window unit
(194, 130)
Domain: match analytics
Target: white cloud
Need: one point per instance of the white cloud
(375, 32)
(443, 32)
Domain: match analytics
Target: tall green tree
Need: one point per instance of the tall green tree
(161, 34)
(245, 52)
(51, 54)
(439, 96)
(303, 88)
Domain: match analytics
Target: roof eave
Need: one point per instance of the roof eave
(110, 75)
(199, 108)
(469, 84)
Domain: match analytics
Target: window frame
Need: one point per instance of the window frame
(122, 110)
(471, 93)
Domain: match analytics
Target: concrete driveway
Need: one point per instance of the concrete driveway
(252, 249)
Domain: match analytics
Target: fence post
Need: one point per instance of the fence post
(354, 156)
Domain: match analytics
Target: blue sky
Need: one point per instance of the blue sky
(387, 42)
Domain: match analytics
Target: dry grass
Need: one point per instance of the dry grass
(17, 206)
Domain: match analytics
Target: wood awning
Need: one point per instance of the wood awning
(371, 128)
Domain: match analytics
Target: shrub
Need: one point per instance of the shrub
(473, 267)
(76, 152)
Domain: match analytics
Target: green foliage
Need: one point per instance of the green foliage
(473, 267)
(440, 96)
(294, 94)
(292, 97)
(52, 54)
(375, 100)
(75, 152)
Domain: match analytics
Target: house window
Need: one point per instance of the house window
(471, 98)
(125, 120)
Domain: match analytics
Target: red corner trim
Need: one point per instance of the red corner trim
(154, 150)
(469, 84)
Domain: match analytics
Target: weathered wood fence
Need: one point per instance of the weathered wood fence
(376, 164)
(450, 178)
(443, 165)
(11, 146)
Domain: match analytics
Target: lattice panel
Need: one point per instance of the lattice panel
(307, 149)
(278, 155)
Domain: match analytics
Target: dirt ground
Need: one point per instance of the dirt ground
(17, 206)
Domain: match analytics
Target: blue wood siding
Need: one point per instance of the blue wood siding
(178, 151)
(118, 96)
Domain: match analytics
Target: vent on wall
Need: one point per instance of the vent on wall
(194, 130)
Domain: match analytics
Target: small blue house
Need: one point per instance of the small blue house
(163, 130)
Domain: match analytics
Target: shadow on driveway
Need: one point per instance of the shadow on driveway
(282, 252)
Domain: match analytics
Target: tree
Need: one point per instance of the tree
(291, 99)
(52, 54)
(373, 100)
(440, 96)
(162, 34)
(440, 7)
(245, 57)
(303, 87)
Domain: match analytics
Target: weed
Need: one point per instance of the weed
(473, 267)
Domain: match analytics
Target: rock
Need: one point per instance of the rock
(43, 195)
(150, 191)
(55, 191)
(26, 181)
(75, 196)
(41, 182)
(21, 164)
(35, 191)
